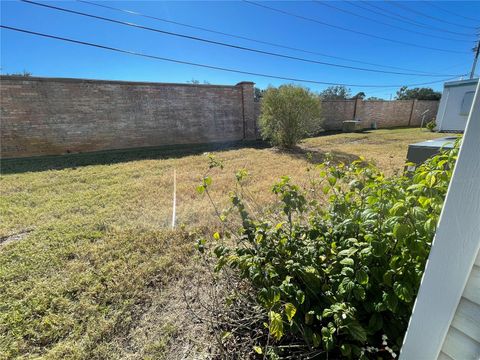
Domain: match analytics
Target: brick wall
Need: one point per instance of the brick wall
(386, 114)
(46, 116)
(336, 111)
(420, 107)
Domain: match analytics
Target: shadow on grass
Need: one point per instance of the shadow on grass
(58, 162)
(316, 157)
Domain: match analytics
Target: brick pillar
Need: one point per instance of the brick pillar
(249, 120)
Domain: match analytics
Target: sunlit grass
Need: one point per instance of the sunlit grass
(94, 242)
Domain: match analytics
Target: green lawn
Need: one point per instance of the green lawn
(88, 266)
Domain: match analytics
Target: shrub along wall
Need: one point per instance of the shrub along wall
(49, 116)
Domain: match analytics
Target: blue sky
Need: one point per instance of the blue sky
(47, 57)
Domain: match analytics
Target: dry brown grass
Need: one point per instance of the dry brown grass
(66, 214)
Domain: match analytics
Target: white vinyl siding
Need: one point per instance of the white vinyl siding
(466, 103)
(444, 323)
(463, 338)
(444, 356)
(460, 347)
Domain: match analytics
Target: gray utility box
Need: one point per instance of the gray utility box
(419, 152)
(351, 126)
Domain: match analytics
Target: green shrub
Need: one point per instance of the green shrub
(343, 278)
(431, 125)
(288, 114)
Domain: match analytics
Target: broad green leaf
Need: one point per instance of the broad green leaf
(347, 252)
(346, 286)
(325, 332)
(362, 277)
(391, 301)
(347, 271)
(403, 291)
(379, 248)
(359, 292)
(347, 262)
(327, 312)
(290, 311)
(276, 325)
(401, 231)
(207, 181)
(357, 331)
(398, 209)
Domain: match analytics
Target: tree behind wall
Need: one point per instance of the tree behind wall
(417, 93)
(339, 92)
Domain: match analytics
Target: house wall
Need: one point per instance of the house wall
(463, 337)
(445, 320)
(46, 116)
(449, 117)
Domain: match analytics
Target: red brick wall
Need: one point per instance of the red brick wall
(45, 116)
(386, 114)
(420, 107)
(334, 112)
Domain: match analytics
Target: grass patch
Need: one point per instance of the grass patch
(85, 250)
(69, 292)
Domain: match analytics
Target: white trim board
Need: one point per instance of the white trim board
(453, 253)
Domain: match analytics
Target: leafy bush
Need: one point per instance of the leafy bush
(288, 114)
(342, 279)
(431, 125)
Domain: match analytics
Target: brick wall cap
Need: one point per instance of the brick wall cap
(101, 81)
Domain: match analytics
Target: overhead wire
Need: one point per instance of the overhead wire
(238, 47)
(431, 3)
(329, 5)
(262, 5)
(244, 37)
(447, 68)
(213, 67)
(382, 11)
(401, 6)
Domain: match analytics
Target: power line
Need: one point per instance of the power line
(348, 29)
(329, 4)
(431, 3)
(394, 3)
(244, 37)
(404, 18)
(258, 51)
(447, 68)
(85, 43)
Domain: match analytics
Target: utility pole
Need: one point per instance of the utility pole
(474, 65)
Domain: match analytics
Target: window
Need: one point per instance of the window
(466, 102)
